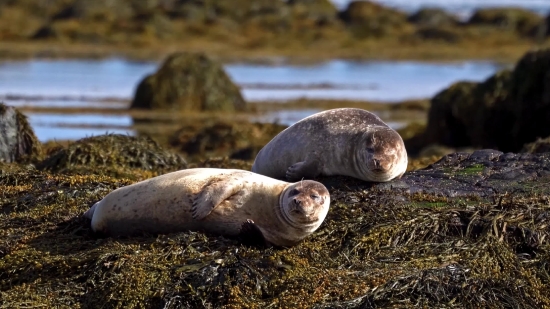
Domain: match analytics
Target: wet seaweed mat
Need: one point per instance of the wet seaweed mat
(372, 251)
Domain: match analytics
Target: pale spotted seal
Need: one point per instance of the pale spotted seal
(343, 141)
(221, 201)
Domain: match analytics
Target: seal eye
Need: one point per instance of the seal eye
(314, 196)
(370, 149)
(294, 192)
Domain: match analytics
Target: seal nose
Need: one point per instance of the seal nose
(376, 163)
(298, 207)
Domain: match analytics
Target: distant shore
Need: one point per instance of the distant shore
(429, 52)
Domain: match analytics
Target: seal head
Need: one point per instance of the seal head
(384, 152)
(305, 205)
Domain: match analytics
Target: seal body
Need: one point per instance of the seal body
(221, 201)
(343, 141)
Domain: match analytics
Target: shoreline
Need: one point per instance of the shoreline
(371, 51)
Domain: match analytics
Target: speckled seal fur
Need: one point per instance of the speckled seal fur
(221, 201)
(343, 141)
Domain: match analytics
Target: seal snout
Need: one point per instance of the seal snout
(378, 165)
(301, 208)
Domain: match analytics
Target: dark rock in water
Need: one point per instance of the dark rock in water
(189, 82)
(514, 19)
(114, 151)
(541, 145)
(17, 140)
(505, 112)
(369, 19)
(483, 173)
(433, 17)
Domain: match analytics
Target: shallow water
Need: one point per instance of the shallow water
(90, 83)
(71, 127)
(337, 79)
(462, 8)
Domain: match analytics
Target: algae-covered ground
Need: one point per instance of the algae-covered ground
(375, 249)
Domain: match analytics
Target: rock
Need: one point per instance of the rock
(530, 99)
(433, 17)
(541, 145)
(504, 112)
(514, 19)
(238, 140)
(113, 151)
(369, 19)
(187, 82)
(17, 140)
(483, 173)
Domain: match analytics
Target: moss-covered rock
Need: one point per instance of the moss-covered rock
(530, 98)
(505, 112)
(113, 154)
(240, 140)
(433, 17)
(17, 140)
(189, 82)
(513, 19)
(369, 19)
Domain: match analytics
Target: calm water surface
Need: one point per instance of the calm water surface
(117, 78)
(88, 83)
(462, 8)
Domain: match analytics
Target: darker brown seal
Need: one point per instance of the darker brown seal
(344, 141)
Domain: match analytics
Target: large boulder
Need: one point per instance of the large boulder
(513, 19)
(189, 82)
(17, 140)
(530, 100)
(369, 19)
(508, 110)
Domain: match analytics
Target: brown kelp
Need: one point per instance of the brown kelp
(375, 249)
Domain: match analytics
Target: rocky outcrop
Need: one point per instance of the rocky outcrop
(17, 140)
(504, 112)
(483, 173)
(188, 82)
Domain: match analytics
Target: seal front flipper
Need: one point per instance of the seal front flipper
(214, 193)
(306, 169)
(251, 234)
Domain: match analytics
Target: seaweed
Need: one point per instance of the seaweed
(115, 154)
(371, 251)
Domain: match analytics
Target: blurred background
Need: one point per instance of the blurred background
(221, 78)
